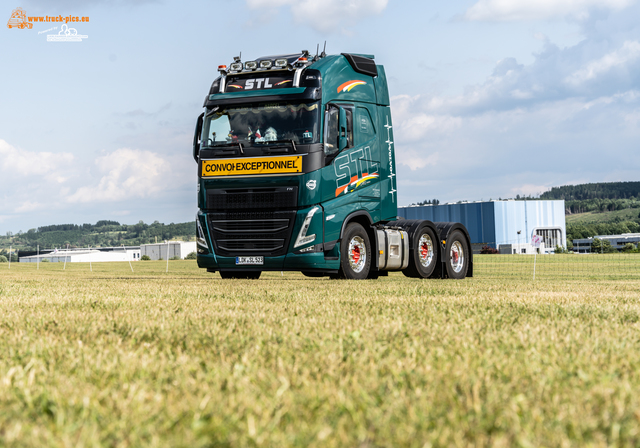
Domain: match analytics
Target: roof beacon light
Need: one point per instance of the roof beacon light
(250, 65)
(222, 68)
(302, 61)
(236, 67)
(266, 64)
(281, 63)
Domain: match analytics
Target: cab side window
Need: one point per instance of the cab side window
(331, 131)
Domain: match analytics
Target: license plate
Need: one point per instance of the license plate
(249, 260)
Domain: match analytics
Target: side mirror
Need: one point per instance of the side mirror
(343, 141)
(196, 137)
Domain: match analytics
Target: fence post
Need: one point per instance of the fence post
(167, 257)
(125, 254)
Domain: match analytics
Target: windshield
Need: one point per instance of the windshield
(262, 124)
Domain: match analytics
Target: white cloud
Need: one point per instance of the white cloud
(326, 15)
(127, 174)
(530, 189)
(413, 125)
(629, 52)
(28, 206)
(15, 161)
(509, 10)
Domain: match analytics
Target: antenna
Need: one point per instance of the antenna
(324, 53)
(317, 52)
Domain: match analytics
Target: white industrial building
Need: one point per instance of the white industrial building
(179, 249)
(583, 245)
(130, 253)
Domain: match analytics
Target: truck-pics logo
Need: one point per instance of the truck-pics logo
(66, 34)
(252, 166)
(19, 20)
(347, 86)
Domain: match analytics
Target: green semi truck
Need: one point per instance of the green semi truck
(297, 172)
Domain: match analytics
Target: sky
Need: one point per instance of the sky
(489, 98)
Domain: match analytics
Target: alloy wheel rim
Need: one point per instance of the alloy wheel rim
(425, 250)
(357, 254)
(456, 256)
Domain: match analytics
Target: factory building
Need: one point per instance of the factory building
(583, 245)
(507, 226)
(86, 255)
(179, 249)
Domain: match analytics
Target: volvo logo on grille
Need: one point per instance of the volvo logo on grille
(311, 185)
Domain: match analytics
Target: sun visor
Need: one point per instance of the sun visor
(360, 64)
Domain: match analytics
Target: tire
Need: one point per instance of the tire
(423, 254)
(355, 253)
(373, 275)
(254, 275)
(457, 255)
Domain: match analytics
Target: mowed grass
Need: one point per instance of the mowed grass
(115, 358)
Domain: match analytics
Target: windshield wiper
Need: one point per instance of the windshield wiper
(274, 147)
(223, 148)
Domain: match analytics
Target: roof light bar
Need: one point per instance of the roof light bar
(236, 67)
(266, 64)
(281, 63)
(250, 65)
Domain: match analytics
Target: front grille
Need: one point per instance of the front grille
(251, 233)
(277, 198)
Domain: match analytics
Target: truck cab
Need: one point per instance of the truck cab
(296, 171)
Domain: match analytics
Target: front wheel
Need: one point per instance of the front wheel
(355, 253)
(254, 275)
(457, 252)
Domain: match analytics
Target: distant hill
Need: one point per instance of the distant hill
(101, 234)
(602, 190)
(598, 197)
(605, 208)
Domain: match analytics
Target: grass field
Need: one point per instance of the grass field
(122, 359)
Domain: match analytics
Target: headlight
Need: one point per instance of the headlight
(303, 238)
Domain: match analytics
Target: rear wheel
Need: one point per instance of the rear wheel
(423, 254)
(355, 253)
(457, 252)
(241, 274)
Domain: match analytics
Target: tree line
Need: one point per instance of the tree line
(578, 231)
(601, 190)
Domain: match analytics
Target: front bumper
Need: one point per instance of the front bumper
(289, 262)
(289, 259)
